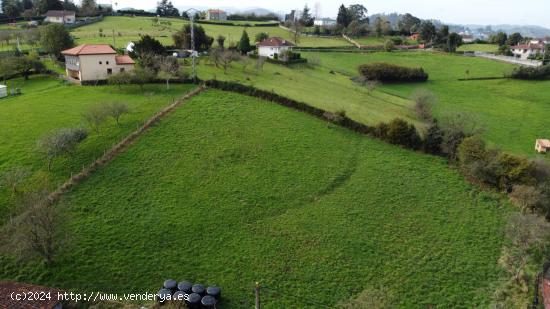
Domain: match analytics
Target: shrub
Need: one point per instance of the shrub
(96, 115)
(433, 139)
(532, 73)
(402, 133)
(514, 170)
(61, 142)
(424, 101)
(471, 150)
(386, 72)
(527, 198)
(389, 45)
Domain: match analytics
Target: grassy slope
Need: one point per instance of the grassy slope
(230, 190)
(47, 104)
(491, 48)
(317, 87)
(131, 27)
(513, 112)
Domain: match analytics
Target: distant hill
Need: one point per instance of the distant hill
(525, 30)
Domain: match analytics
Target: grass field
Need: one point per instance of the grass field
(514, 113)
(48, 104)
(373, 40)
(490, 48)
(128, 29)
(317, 87)
(230, 190)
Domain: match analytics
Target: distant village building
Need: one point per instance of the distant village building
(273, 47)
(325, 22)
(95, 62)
(542, 145)
(60, 17)
(216, 15)
(525, 51)
(414, 37)
(291, 17)
(467, 38)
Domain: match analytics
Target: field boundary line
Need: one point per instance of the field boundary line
(119, 148)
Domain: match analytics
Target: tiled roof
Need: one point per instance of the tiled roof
(53, 13)
(275, 41)
(89, 50)
(124, 60)
(9, 287)
(528, 46)
(216, 11)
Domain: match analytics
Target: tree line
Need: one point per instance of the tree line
(35, 8)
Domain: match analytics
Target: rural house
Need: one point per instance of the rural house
(216, 15)
(525, 51)
(95, 62)
(60, 17)
(273, 47)
(542, 145)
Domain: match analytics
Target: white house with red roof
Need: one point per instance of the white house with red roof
(542, 145)
(60, 17)
(95, 62)
(525, 51)
(274, 47)
(216, 15)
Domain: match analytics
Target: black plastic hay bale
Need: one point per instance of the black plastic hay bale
(208, 302)
(199, 289)
(171, 284)
(163, 295)
(214, 291)
(194, 300)
(179, 296)
(185, 286)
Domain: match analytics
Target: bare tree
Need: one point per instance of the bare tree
(95, 116)
(59, 143)
(260, 64)
(424, 101)
(527, 234)
(227, 57)
(35, 231)
(117, 109)
(13, 178)
(245, 62)
(296, 31)
(527, 198)
(169, 68)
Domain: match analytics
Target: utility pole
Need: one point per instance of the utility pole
(194, 53)
(114, 40)
(257, 292)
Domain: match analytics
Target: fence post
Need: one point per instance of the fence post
(257, 292)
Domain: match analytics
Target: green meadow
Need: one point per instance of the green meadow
(48, 104)
(513, 113)
(230, 190)
(127, 29)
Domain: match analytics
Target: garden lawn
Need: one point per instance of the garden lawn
(513, 113)
(230, 190)
(48, 104)
(129, 29)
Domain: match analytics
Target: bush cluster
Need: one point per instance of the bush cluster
(526, 181)
(532, 73)
(386, 72)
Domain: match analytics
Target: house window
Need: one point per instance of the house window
(121, 70)
(107, 62)
(100, 62)
(109, 71)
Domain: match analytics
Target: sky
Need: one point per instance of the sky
(528, 12)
